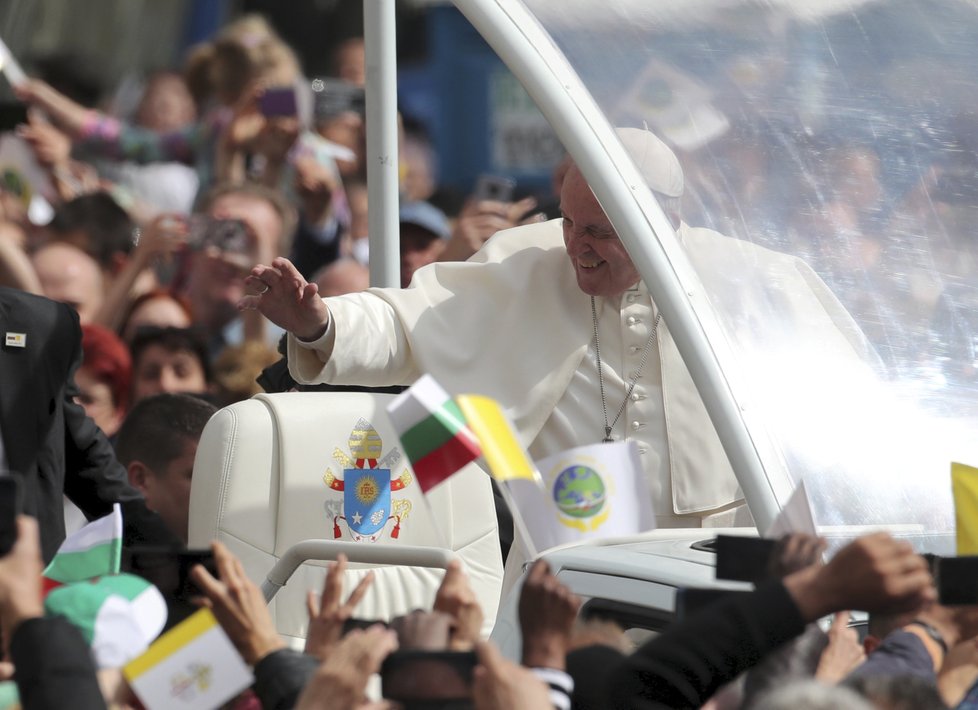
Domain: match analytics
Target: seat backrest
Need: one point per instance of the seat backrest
(281, 468)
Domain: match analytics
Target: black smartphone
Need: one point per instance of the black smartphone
(355, 623)
(278, 101)
(12, 114)
(744, 559)
(494, 187)
(11, 505)
(169, 571)
(690, 600)
(957, 581)
(419, 677)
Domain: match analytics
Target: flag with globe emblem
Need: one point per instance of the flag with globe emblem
(588, 492)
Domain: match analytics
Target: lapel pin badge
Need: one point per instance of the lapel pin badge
(15, 340)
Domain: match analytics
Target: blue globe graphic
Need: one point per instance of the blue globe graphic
(579, 492)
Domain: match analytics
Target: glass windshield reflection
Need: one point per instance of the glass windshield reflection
(843, 134)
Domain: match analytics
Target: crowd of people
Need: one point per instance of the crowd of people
(763, 649)
(193, 240)
(157, 216)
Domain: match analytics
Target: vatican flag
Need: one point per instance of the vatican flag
(589, 492)
(964, 484)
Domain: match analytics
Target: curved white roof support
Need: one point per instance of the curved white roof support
(511, 30)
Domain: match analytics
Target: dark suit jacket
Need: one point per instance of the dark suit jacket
(688, 662)
(48, 439)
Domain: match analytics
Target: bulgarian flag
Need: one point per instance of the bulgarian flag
(433, 432)
(93, 551)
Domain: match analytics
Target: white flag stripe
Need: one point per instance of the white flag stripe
(416, 403)
(98, 532)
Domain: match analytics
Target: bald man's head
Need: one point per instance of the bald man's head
(69, 275)
(342, 276)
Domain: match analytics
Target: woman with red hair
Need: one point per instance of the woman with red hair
(103, 378)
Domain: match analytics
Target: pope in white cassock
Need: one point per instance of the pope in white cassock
(553, 321)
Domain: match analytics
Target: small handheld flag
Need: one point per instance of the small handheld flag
(93, 551)
(590, 492)
(193, 666)
(501, 449)
(964, 484)
(433, 432)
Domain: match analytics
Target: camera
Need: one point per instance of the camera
(332, 97)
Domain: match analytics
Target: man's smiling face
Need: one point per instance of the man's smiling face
(602, 265)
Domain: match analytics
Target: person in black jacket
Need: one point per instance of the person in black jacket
(686, 664)
(46, 437)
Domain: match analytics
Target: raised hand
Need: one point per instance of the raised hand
(456, 598)
(340, 682)
(843, 654)
(328, 614)
(547, 613)
(281, 294)
(480, 219)
(238, 605)
(874, 573)
(423, 630)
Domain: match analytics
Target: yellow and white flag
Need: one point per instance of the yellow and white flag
(193, 666)
(964, 485)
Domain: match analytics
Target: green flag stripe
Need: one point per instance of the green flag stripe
(94, 562)
(427, 435)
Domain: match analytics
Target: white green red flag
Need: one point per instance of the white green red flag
(433, 432)
(93, 551)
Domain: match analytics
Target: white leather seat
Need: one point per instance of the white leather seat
(262, 484)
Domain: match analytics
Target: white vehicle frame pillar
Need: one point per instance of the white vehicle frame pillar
(380, 42)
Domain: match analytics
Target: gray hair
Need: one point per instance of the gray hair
(811, 695)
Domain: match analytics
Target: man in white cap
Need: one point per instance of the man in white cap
(553, 321)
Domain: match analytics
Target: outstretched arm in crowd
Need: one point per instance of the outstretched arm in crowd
(340, 682)
(114, 139)
(239, 606)
(52, 659)
(456, 598)
(829, 657)
(687, 663)
(548, 610)
(480, 219)
(328, 614)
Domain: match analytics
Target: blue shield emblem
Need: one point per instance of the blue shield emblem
(366, 498)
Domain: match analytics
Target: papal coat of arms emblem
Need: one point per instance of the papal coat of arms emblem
(367, 486)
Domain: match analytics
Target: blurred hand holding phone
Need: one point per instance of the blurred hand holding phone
(169, 571)
(494, 187)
